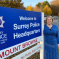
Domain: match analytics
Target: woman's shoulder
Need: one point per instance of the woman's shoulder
(55, 26)
(44, 24)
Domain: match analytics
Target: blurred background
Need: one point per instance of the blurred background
(49, 7)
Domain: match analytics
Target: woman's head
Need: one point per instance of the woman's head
(49, 20)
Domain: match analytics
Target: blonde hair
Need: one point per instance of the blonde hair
(47, 18)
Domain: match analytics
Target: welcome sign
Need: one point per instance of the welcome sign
(19, 29)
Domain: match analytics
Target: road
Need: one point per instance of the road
(56, 22)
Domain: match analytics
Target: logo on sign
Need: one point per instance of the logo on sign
(1, 22)
(3, 37)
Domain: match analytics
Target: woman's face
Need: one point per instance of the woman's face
(49, 20)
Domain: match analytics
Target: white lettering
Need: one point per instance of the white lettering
(25, 18)
(19, 35)
(25, 26)
(34, 24)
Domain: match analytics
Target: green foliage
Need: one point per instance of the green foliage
(38, 5)
(45, 3)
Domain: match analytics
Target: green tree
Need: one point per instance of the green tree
(45, 3)
(38, 5)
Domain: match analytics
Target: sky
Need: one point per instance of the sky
(33, 2)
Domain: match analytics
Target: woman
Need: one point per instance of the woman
(50, 40)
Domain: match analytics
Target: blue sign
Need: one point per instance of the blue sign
(17, 26)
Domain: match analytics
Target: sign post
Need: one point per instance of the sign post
(42, 42)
